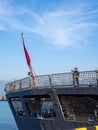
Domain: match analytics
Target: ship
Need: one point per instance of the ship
(61, 101)
(54, 102)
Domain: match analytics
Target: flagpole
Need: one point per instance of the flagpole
(22, 38)
(28, 60)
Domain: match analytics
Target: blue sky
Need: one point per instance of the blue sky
(59, 35)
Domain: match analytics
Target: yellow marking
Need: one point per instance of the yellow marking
(96, 127)
(81, 128)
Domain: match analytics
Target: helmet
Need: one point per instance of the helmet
(76, 68)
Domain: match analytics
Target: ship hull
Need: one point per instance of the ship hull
(25, 122)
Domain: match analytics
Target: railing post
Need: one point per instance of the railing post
(50, 82)
(20, 85)
(14, 85)
(32, 83)
(97, 76)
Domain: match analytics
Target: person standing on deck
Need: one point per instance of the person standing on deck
(75, 77)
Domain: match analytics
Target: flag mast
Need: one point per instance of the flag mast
(31, 73)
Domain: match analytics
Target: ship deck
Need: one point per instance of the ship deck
(88, 80)
(71, 105)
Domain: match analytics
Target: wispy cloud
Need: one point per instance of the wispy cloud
(61, 27)
(2, 28)
(66, 28)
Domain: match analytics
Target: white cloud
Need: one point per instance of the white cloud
(66, 28)
(2, 28)
(61, 27)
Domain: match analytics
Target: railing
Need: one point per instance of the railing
(86, 78)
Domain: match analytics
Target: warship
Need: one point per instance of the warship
(54, 102)
(61, 101)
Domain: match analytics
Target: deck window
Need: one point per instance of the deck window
(17, 105)
(40, 107)
(80, 108)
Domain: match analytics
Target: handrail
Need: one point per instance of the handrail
(88, 78)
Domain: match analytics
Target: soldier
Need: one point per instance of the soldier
(75, 77)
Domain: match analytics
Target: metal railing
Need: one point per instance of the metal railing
(86, 78)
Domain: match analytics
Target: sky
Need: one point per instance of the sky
(59, 35)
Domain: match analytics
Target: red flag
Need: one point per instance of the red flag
(27, 55)
(28, 59)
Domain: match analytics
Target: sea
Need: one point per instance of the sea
(7, 121)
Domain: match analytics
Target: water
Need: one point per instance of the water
(6, 118)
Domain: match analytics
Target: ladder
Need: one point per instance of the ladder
(56, 102)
